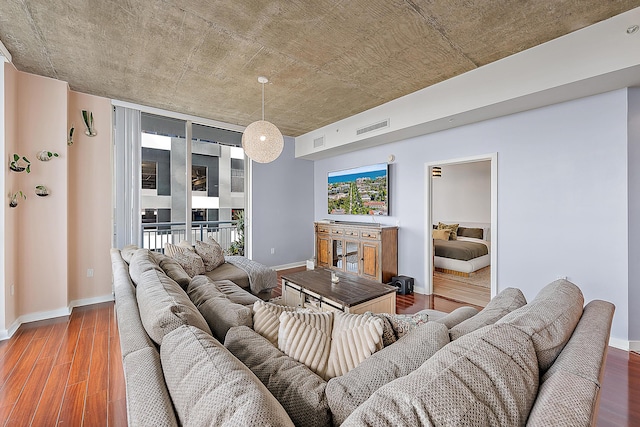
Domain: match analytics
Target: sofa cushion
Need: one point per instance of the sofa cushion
(170, 249)
(209, 386)
(235, 293)
(300, 391)
(550, 319)
(578, 368)
(211, 253)
(142, 261)
(404, 323)
(266, 319)
(450, 320)
(172, 269)
(230, 272)
(347, 392)
(190, 262)
(146, 390)
(306, 338)
(128, 251)
(164, 306)
(219, 312)
(500, 305)
(487, 377)
(354, 338)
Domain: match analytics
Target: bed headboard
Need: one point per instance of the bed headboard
(486, 227)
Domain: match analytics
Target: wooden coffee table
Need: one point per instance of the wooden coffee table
(314, 289)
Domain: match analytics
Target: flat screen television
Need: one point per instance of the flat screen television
(359, 191)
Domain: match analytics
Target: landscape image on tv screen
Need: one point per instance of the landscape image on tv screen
(359, 191)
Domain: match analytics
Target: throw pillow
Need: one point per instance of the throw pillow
(190, 261)
(266, 319)
(503, 303)
(404, 323)
(452, 227)
(171, 249)
(353, 339)
(211, 254)
(441, 234)
(306, 338)
(388, 333)
(549, 319)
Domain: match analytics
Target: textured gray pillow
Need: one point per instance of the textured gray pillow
(142, 261)
(550, 319)
(300, 391)
(210, 387)
(486, 378)
(347, 392)
(503, 303)
(219, 312)
(127, 252)
(172, 269)
(211, 253)
(164, 306)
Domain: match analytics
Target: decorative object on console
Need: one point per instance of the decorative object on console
(45, 156)
(70, 138)
(261, 140)
(41, 191)
(87, 117)
(13, 202)
(20, 164)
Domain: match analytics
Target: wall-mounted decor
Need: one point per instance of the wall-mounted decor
(87, 117)
(45, 155)
(70, 139)
(42, 191)
(20, 164)
(13, 200)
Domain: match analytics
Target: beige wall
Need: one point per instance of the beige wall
(42, 240)
(50, 242)
(89, 199)
(11, 186)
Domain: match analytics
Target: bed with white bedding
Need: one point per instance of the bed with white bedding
(464, 255)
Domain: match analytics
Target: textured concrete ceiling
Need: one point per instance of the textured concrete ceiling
(326, 59)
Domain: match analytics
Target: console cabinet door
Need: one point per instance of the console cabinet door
(370, 260)
(324, 250)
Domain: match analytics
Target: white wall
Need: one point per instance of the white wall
(463, 193)
(282, 209)
(562, 186)
(634, 216)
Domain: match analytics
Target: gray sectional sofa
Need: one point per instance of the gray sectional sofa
(192, 358)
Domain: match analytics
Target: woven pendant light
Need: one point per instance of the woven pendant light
(261, 140)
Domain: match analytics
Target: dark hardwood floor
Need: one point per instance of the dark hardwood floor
(68, 371)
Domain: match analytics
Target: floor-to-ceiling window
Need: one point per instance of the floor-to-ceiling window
(183, 191)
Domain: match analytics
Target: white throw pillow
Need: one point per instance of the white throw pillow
(354, 338)
(266, 319)
(306, 338)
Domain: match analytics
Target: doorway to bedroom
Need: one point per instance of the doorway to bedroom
(461, 200)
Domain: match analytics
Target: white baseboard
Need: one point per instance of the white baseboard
(634, 346)
(291, 265)
(619, 343)
(90, 301)
(51, 314)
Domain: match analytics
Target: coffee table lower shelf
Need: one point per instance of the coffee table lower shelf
(296, 295)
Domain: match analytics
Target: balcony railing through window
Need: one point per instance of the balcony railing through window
(155, 235)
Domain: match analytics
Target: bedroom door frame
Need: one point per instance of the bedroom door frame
(428, 241)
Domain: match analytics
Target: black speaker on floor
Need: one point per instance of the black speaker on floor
(403, 284)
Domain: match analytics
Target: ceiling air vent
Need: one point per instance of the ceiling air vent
(318, 142)
(371, 128)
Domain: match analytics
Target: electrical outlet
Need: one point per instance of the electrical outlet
(13, 290)
(89, 272)
(273, 251)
